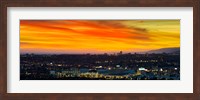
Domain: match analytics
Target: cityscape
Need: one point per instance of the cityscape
(100, 50)
(164, 66)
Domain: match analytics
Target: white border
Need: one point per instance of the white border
(185, 85)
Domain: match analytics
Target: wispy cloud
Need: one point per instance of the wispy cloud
(97, 35)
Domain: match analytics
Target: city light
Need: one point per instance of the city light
(75, 67)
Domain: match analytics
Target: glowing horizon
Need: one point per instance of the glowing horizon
(97, 36)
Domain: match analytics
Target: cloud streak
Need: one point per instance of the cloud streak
(97, 36)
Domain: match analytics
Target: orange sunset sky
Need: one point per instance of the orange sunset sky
(97, 36)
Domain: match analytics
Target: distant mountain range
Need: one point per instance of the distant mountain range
(175, 50)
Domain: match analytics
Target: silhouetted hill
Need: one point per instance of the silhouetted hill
(175, 50)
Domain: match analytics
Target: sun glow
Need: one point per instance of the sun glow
(97, 36)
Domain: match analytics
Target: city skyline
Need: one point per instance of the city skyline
(109, 53)
(163, 66)
(97, 36)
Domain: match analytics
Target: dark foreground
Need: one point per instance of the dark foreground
(100, 67)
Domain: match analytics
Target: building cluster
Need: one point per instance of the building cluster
(100, 67)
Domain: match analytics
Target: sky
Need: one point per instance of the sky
(97, 36)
